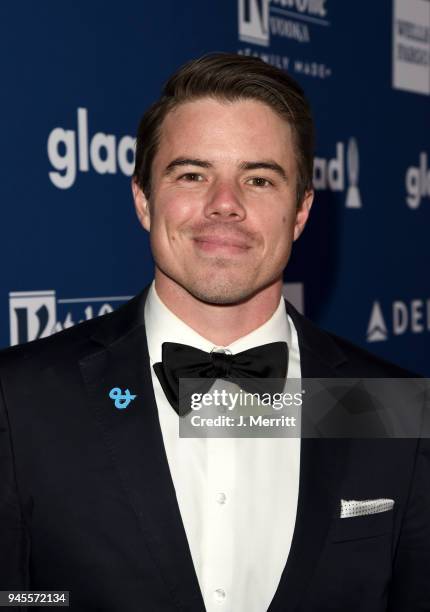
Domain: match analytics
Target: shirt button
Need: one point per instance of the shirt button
(219, 595)
(220, 349)
(221, 498)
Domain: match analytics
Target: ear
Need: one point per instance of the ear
(303, 213)
(142, 205)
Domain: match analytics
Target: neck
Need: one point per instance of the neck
(221, 324)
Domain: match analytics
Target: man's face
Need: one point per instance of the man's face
(222, 213)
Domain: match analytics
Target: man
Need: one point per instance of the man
(109, 502)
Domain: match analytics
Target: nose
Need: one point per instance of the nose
(224, 203)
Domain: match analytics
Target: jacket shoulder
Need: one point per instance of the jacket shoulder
(69, 343)
(366, 363)
(349, 359)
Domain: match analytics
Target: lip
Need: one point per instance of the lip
(217, 243)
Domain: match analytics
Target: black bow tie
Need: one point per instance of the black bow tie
(183, 361)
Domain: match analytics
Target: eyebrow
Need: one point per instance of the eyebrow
(186, 161)
(265, 165)
(246, 165)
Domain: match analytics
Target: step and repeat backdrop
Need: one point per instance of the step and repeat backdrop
(78, 75)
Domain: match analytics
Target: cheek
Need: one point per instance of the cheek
(173, 211)
(280, 225)
(279, 235)
(172, 215)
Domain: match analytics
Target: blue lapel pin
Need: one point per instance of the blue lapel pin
(121, 400)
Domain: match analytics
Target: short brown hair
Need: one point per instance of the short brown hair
(230, 77)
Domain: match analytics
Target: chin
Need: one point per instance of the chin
(225, 288)
(220, 294)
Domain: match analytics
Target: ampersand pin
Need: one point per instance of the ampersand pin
(121, 400)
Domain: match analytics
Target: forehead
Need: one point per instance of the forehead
(217, 129)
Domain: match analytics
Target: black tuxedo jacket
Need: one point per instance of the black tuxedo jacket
(87, 502)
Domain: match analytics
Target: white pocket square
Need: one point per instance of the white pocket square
(355, 507)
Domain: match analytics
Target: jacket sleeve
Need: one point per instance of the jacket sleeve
(14, 540)
(410, 584)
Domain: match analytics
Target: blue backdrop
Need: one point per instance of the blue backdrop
(78, 75)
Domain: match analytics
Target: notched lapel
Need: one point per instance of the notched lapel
(134, 439)
(322, 466)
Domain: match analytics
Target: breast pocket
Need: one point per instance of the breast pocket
(360, 527)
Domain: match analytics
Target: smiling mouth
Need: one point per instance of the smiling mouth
(212, 244)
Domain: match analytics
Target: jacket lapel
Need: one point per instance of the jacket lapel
(134, 440)
(322, 464)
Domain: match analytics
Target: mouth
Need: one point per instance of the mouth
(212, 244)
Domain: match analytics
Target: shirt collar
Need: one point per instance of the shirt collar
(164, 326)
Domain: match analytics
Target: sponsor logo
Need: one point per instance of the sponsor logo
(261, 21)
(411, 45)
(38, 314)
(405, 317)
(329, 174)
(254, 21)
(72, 151)
(376, 330)
(260, 18)
(417, 182)
(294, 293)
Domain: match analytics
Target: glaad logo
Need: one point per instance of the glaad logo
(330, 173)
(38, 314)
(412, 317)
(418, 182)
(101, 152)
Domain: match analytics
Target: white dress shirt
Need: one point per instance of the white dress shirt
(237, 496)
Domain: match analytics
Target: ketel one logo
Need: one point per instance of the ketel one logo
(254, 21)
(254, 17)
(38, 314)
(411, 316)
(330, 173)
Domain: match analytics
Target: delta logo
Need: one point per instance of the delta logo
(402, 317)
